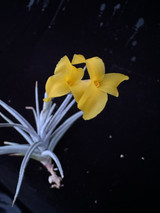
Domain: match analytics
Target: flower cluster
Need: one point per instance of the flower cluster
(91, 94)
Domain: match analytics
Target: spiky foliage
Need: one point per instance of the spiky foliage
(42, 140)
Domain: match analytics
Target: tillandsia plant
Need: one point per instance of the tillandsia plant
(91, 96)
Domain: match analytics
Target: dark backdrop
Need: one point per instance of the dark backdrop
(111, 163)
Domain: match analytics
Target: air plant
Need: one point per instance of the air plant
(91, 96)
(42, 141)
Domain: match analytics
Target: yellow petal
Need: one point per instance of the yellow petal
(96, 68)
(73, 75)
(111, 81)
(56, 86)
(78, 59)
(79, 89)
(66, 75)
(92, 102)
(63, 65)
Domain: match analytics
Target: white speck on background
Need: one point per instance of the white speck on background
(116, 7)
(110, 136)
(102, 7)
(101, 24)
(139, 23)
(133, 58)
(136, 27)
(134, 43)
(95, 201)
(121, 156)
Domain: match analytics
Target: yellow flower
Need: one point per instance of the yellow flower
(91, 95)
(65, 76)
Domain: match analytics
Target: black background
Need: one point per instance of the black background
(111, 163)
